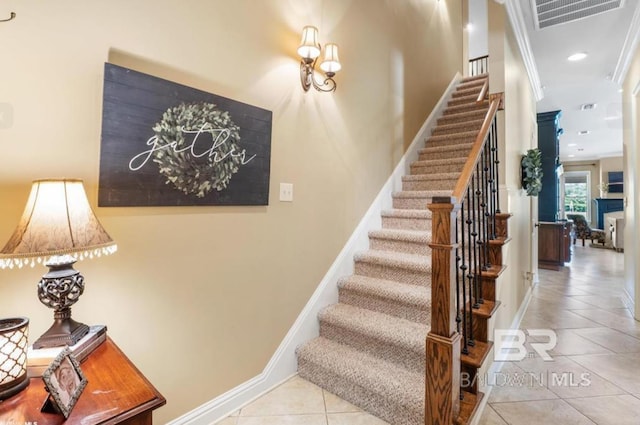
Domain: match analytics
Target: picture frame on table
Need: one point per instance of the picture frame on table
(64, 381)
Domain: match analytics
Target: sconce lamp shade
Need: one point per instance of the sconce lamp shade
(309, 46)
(13, 356)
(56, 221)
(331, 63)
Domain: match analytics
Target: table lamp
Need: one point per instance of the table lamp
(57, 228)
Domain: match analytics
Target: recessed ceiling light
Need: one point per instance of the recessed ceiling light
(572, 156)
(583, 132)
(588, 106)
(615, 117)
(577, 56)
(469, 27)
(620, 90)
(572, 145)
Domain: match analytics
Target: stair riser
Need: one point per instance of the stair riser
(366, 398)
(411, 203)
(428, 185)
(425, 156)
(400, 355)
(398, 274)
(441, 168)
(399, 246)
(419, 314)
(406, 223)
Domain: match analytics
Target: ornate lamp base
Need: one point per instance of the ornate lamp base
(64, 331)
(59, 289)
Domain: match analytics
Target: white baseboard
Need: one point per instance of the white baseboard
(283, 364)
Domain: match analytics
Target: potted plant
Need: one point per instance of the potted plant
(532, 172)
(604, 189)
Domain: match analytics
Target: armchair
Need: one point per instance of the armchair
(583, 231)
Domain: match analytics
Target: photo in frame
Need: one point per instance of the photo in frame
(64, 381)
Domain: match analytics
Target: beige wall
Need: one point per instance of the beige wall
(611, 164)
(631, 135)
(201, 297)
(518, 123)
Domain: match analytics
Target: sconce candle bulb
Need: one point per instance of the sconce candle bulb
(309, 51)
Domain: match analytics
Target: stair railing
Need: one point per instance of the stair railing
(478, 66)
(462, 226)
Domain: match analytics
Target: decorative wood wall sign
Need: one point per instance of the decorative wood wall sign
(168, 144)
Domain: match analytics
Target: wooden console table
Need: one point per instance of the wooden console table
(117, 393)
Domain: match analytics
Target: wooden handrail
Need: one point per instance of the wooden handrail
(483, 91)
(476, 150)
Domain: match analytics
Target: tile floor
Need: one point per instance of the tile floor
(593, 378)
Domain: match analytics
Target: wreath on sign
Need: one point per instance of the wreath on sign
(215, 162)
(532, 172)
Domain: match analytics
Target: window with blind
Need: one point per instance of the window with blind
(577, 193)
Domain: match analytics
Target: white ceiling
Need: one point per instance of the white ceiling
(568, 85)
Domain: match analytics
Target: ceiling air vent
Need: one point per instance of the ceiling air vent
(588, 106)
(554, 12)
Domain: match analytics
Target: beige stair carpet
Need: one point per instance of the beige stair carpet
(371, 348)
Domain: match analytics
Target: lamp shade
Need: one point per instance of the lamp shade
(57, 220)
(331, 62)
(13, 356)
(309, 46)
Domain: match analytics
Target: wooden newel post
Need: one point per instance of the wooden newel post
(442, 404)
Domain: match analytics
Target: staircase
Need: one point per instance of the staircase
(372, 343)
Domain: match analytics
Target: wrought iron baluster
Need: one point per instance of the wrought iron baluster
(471, 248)
(462, 271)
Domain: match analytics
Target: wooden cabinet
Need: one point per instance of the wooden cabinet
(117, 393)
(554, 244)
(549, 207)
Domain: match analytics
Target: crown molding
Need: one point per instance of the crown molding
(628, 48)
(514, 11)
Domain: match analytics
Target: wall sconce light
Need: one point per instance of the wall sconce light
(13, 356)
(310, 50)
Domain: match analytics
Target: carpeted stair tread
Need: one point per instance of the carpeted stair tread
(463, 92)
(422, 194)
(432, 177)
(419, 263)
(418, 297)
(435, 181)
(397, 213)
(472, 98)
(472, 115)
(435, 162)
(393, 335)
(474, 78)
(456, 109)
(408, 241)
(410, 219)
(457, 129)
(402, 235)
(390, 392)
(459, 150)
